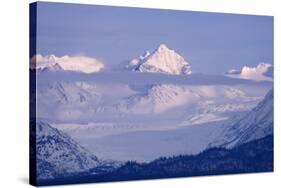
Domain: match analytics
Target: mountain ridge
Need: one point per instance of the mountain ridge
(58, 155)
(255, 124)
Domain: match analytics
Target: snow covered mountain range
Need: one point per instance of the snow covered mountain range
(91, 101)
(183, 118)
(255, 124)
(161, 60)
(163, 97)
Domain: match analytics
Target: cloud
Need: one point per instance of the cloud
(69, 63)
(262, 71)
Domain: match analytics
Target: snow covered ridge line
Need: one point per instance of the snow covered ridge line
(256, 124)
(68, 63)
(161, 60)
(58, 155)
(262, 71)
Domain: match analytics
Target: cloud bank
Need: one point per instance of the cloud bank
(69, 63)
(262, 71)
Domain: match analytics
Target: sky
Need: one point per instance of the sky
(211, 42)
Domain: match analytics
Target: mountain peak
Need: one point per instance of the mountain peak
(162, 47)
(161, 60)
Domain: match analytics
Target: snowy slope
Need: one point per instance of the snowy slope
(161, 60)
(262, 71)
(58, 155)
(255, 124)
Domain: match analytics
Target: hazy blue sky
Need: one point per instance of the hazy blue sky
(211, 43)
